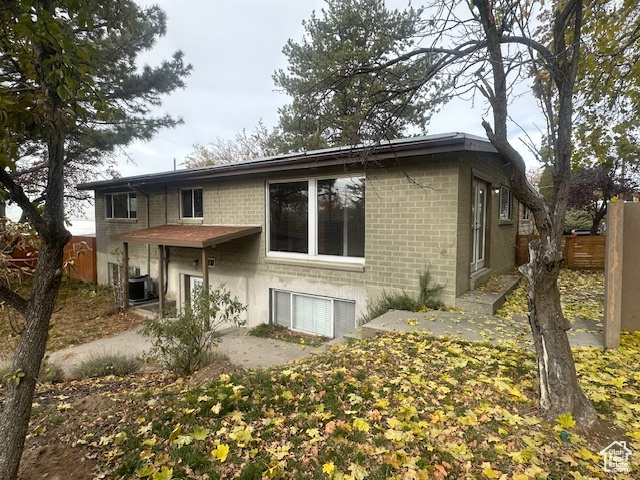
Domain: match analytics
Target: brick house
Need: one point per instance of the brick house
(305, 240)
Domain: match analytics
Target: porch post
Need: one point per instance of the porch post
(125, 275)
(205, 271)
(161, 279)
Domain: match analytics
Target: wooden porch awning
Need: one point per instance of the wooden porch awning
(194, 236)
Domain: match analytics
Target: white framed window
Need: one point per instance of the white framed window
(317, 218)
(505, 203)
(324, 316)
(191, 205)
(121, 205)
(114, 272)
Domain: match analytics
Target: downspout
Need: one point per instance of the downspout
(146, 195)
(165, 287)
(166, 217)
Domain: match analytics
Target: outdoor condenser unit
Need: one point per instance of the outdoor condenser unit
(140, 288)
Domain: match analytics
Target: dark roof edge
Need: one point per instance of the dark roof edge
(442, 143)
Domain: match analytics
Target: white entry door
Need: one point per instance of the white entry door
(478, 224)
(194, 283)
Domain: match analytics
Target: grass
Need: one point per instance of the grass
(107, 364)
(423, 408)
(278, 332)
(49, 372)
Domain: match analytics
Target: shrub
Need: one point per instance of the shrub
(428, 298)
(107, 364)
(50, 372)
(183, 343)
(576, 219)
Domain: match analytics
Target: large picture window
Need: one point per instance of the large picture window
(318, 217)
(121, 205)
(191, 203)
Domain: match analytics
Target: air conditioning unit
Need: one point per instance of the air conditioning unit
(140, 289)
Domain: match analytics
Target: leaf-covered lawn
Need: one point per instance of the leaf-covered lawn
(582, 296)
(402, 406)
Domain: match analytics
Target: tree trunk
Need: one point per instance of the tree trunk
(559, 389)
(28, 357)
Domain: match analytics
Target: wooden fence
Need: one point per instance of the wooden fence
(581, 252)
(79, 259)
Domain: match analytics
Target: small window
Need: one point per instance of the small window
(113, 271)
(327, 317)
(505, 203)
(191, 203)
(121, 205)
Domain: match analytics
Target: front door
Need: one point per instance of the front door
(478, 224)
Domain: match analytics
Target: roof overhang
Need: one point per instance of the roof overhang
(194, 236)
(394, 149)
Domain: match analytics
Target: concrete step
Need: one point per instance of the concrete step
(487, 302)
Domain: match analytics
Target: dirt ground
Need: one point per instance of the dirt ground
(83, 313)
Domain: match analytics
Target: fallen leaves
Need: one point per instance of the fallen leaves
(427, 408)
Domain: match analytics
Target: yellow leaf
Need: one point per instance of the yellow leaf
(287, 395)
(174, 433)
(119, 438)
(183, 440)
(146, 455)
(164, 474)
(329, 469)
(144, 471)
(490, 473)
(150, 442)
(220, 452)
(200, 433)
(566, 421)
(361, 424)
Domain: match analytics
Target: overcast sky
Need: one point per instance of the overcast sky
(234, 47)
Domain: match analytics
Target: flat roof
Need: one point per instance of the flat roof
(404, 147)
(194, 236)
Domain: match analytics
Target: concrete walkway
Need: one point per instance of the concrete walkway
(242, 349)
(471, 326)
(254, 352)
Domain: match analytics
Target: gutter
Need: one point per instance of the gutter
(446, 143)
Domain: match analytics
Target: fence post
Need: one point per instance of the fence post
(569, 251)
(613, 275)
